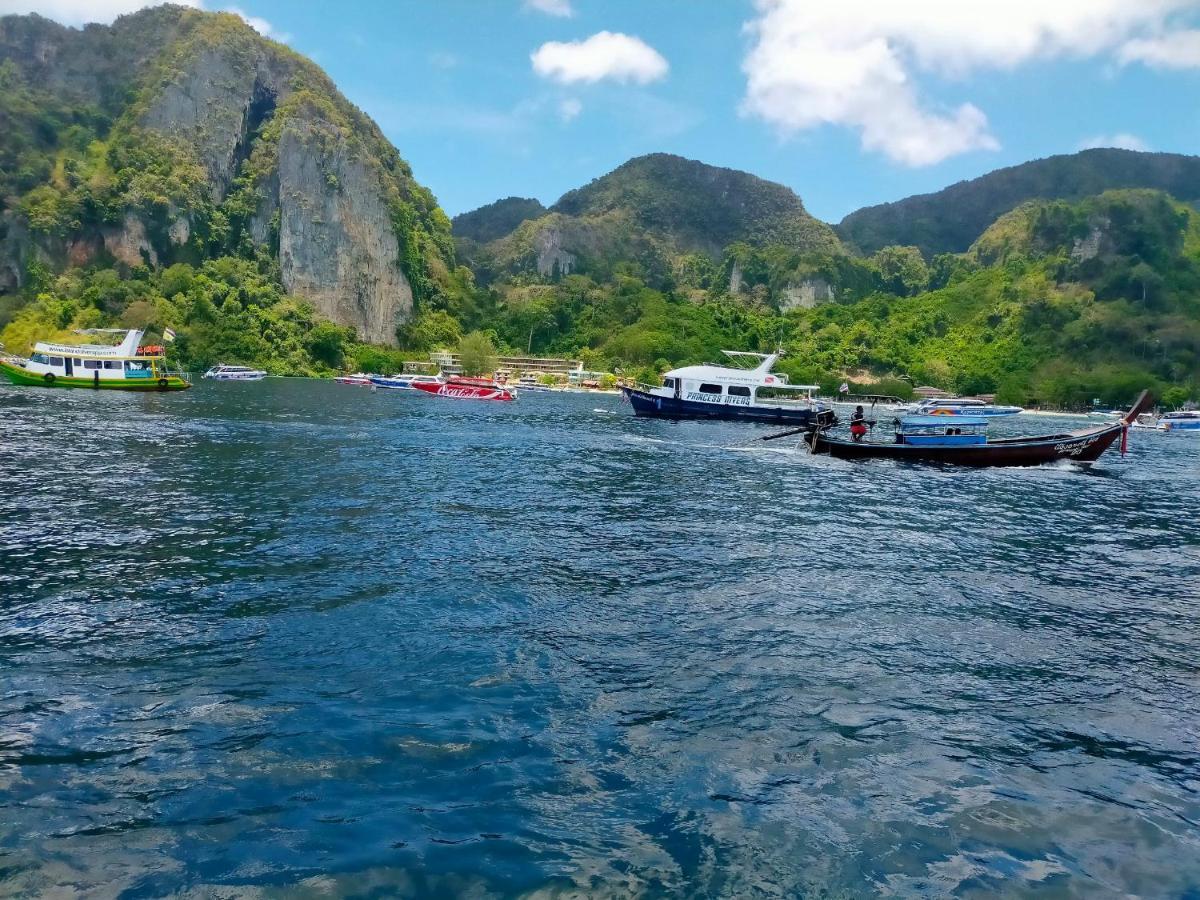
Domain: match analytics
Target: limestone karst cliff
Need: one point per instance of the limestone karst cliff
(175, 135)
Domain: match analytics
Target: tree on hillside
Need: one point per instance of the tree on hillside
(902, 270)
(477, 354)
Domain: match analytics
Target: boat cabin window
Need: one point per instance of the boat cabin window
(669, 383)
(736, 390)
(92, 364)
(55, 361)
(40, 358)
(112, 364)
(710, 389)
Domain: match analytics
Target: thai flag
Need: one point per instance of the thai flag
(168, 334)
(844, 389)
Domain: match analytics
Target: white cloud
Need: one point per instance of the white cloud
(603, 55)
(1122, 140)
(569, 108)
(1180, 50)
(81, 12)
(259, 24)
(560, 8)
(852, 63)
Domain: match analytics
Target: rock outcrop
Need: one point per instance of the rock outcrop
(225, 121)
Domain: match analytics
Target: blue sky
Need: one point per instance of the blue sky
(849, 103)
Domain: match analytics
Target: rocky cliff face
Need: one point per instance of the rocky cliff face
(233, 135)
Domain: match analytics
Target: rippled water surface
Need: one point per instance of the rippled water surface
(292, 637)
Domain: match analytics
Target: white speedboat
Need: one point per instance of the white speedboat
(1180, 420)
(959, 406)
(235, 373)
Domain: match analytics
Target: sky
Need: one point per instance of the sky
(848, 102)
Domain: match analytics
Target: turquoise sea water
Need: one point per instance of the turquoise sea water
(293, 638)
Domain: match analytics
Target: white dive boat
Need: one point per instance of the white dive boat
(403, 382)
(726, 392)
(235, 373)
(959, 406)
(530, 383)
(1180, 420)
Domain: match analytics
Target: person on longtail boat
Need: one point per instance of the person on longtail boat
(858, 424)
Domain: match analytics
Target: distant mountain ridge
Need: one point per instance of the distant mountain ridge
(649, 211)
(950, 220)
(495, 220)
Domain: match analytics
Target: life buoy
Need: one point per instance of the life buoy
(49, 377)
(162, 382)
(943, 412)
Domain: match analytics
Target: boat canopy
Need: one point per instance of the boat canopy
(955, 421)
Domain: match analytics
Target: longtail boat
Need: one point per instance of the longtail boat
(963, 441)
(126, 366)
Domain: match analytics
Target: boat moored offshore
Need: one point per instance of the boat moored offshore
(235, 373)
(126, 366)
(403, 382)
(959, 406)
(459, 387)
(727, 392)
(1181, 420)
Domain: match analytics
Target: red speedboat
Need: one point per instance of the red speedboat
(462, 388)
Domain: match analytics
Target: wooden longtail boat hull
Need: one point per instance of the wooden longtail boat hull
(1084, 446)
(1077, 446)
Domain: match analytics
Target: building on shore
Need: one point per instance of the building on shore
(930, 393)
(513, 366)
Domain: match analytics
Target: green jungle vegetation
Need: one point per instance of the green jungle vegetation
(1057, 301)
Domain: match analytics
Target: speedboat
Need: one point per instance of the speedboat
(530, 383)
(1181, 420)
(959, 406)
(727, 392)
(403, 382)
(459, 387)
(356, 378)
(963, 440)
(235, 373)
(126, 366)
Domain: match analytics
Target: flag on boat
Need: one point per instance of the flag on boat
(168, 334)
(844, 389)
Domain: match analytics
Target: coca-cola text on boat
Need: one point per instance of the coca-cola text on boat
(462, 388)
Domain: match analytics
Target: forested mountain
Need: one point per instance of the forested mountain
(179, 137)
(496, 219)
(950, 220)
(653, 211)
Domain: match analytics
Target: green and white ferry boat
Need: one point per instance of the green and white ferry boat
(127, 366)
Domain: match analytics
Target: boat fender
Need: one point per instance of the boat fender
(49, 377)
(162, 382)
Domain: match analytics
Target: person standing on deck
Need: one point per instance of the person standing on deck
(858, 425)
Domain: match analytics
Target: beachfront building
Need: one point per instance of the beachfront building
(514, 366)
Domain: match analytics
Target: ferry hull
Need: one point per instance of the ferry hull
(652, 406)
(18, 375)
